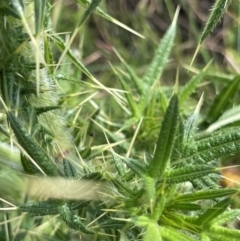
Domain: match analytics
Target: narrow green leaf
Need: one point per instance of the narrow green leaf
(178, 143)
(218, 76)
(31, 147)
(163, 101)
(112, 224)
(165, 140)
(188, 173)
(41, 208)
(213, 212)
(39, 10)
(223, 100)
(179, 221)
(189, 88)
(205, 194)
(7, 87)
(129, 97)
(91, 8)
(69, 169)
(123, 188)
(60, 43)
(48, 55)
(217, 12)
(134, 78)
(40, 110)
(137, 166)
(184, 206)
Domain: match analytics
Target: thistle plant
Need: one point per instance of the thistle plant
(170, 192)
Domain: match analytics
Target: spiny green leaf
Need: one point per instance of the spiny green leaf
(209, 182)
(39, 10)
(152, 232)
(160, 58)
(119, 164)
(225, 234)
(165, 140)
(189, 129)
(226, 217)
(31, 147)
(230, 234)
(69, 169)
(188, 173)
(213, 212)
(151, 193)
(213, 147)
(159, 206)
(205, 237)
(223, 100)
(217, 12)
(72, 220)
(41, 208)
(158, 63)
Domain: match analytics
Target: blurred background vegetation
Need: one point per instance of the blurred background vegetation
(95, 45)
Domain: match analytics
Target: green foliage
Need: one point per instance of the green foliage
(217, 12)
(161, 179)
